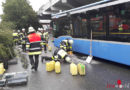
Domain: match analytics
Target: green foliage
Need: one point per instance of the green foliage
(20, 13)
(7, 25)
(6, 44)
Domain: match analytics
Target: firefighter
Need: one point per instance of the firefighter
(39, 31)
(59, 55)
(44, 43)
(19, 37)
(44, 40)
(24, 40)
(15, 37)
(123, 27)
(33, 47)
(46, 36)
(67, 45)
(120, 27)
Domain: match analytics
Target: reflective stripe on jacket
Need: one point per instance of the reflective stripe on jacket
(15, 35)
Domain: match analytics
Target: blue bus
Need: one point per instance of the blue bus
(109, 23)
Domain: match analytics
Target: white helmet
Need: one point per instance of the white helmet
(18, 30)
(31, 29)
(23, 29)
(71, 42)
(39, 29)
(68, 59)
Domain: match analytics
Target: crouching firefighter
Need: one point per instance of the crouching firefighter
(59, 55)
(67, 45)
(33, 47)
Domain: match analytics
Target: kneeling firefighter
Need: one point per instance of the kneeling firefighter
(67, 45)
(59, 55)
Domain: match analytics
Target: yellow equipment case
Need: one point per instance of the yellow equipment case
(50, 66)
(57, 67)
(73, 69)
(81, 69)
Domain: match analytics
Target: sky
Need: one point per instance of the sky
(36, 4)
(1, 6)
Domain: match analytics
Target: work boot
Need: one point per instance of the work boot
(33, 67)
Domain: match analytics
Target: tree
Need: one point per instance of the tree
(20, 13)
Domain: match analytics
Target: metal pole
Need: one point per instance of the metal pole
(91, 44)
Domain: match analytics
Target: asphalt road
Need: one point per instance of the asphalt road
(100, 75)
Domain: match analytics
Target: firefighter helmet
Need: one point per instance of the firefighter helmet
(71, 41)
(39, 29)
(31, 29)
(18, 30)
(68, 59)
(23, 29)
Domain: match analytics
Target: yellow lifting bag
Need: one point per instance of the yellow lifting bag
(50, 66)
(73, 69)
(57, 67)
(81, 69)
(2, 70)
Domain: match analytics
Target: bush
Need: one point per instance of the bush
(6, 43)
(7, 25)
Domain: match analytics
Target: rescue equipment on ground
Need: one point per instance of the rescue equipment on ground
(73, 69)
(50, 66)
(2, 83)
(16, 78)
(57, 67)
(2, 70)
(81, 69)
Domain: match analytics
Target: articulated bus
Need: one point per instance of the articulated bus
(110, 26)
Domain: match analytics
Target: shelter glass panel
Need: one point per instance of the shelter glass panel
(119, 23)
(97, 26)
